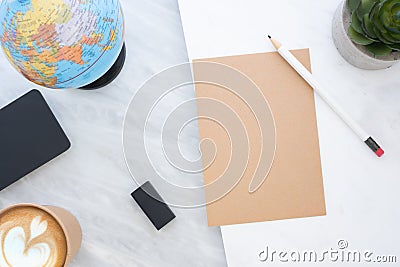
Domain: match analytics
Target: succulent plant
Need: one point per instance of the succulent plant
(375, 24)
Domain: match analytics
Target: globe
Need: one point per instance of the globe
(64, 43)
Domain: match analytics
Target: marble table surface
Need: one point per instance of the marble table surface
(92, 180)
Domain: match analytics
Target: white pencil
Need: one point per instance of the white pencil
(308, 77)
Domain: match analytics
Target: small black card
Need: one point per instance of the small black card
(30, 136)
(148, 199)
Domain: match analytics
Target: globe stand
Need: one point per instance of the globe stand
(110, 75)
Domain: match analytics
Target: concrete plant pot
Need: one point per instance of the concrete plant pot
(356, 54)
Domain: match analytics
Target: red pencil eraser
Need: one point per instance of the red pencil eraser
(380, 152)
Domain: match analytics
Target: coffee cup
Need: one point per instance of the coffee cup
(35, 235)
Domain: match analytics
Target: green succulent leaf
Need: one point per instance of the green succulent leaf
(374, 16)
(381, 37)
(364, 8)
(395, 36)
(359, 38)
(379, 49)
(368, 27)
(389, 37)
(353, 4)
(395, 47)
(386, 18)
(356, 23)
(393, 30)
(396, 12)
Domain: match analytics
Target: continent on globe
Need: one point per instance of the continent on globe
(64, 43)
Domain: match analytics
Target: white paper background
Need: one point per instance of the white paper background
(361, 190)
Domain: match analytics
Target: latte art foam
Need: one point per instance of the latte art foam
(30, 237)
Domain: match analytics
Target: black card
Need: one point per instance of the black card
(148, 199)
(30, 136)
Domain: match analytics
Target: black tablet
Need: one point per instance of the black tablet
(30, 136)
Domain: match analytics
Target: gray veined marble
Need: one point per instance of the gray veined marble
(91, 179)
